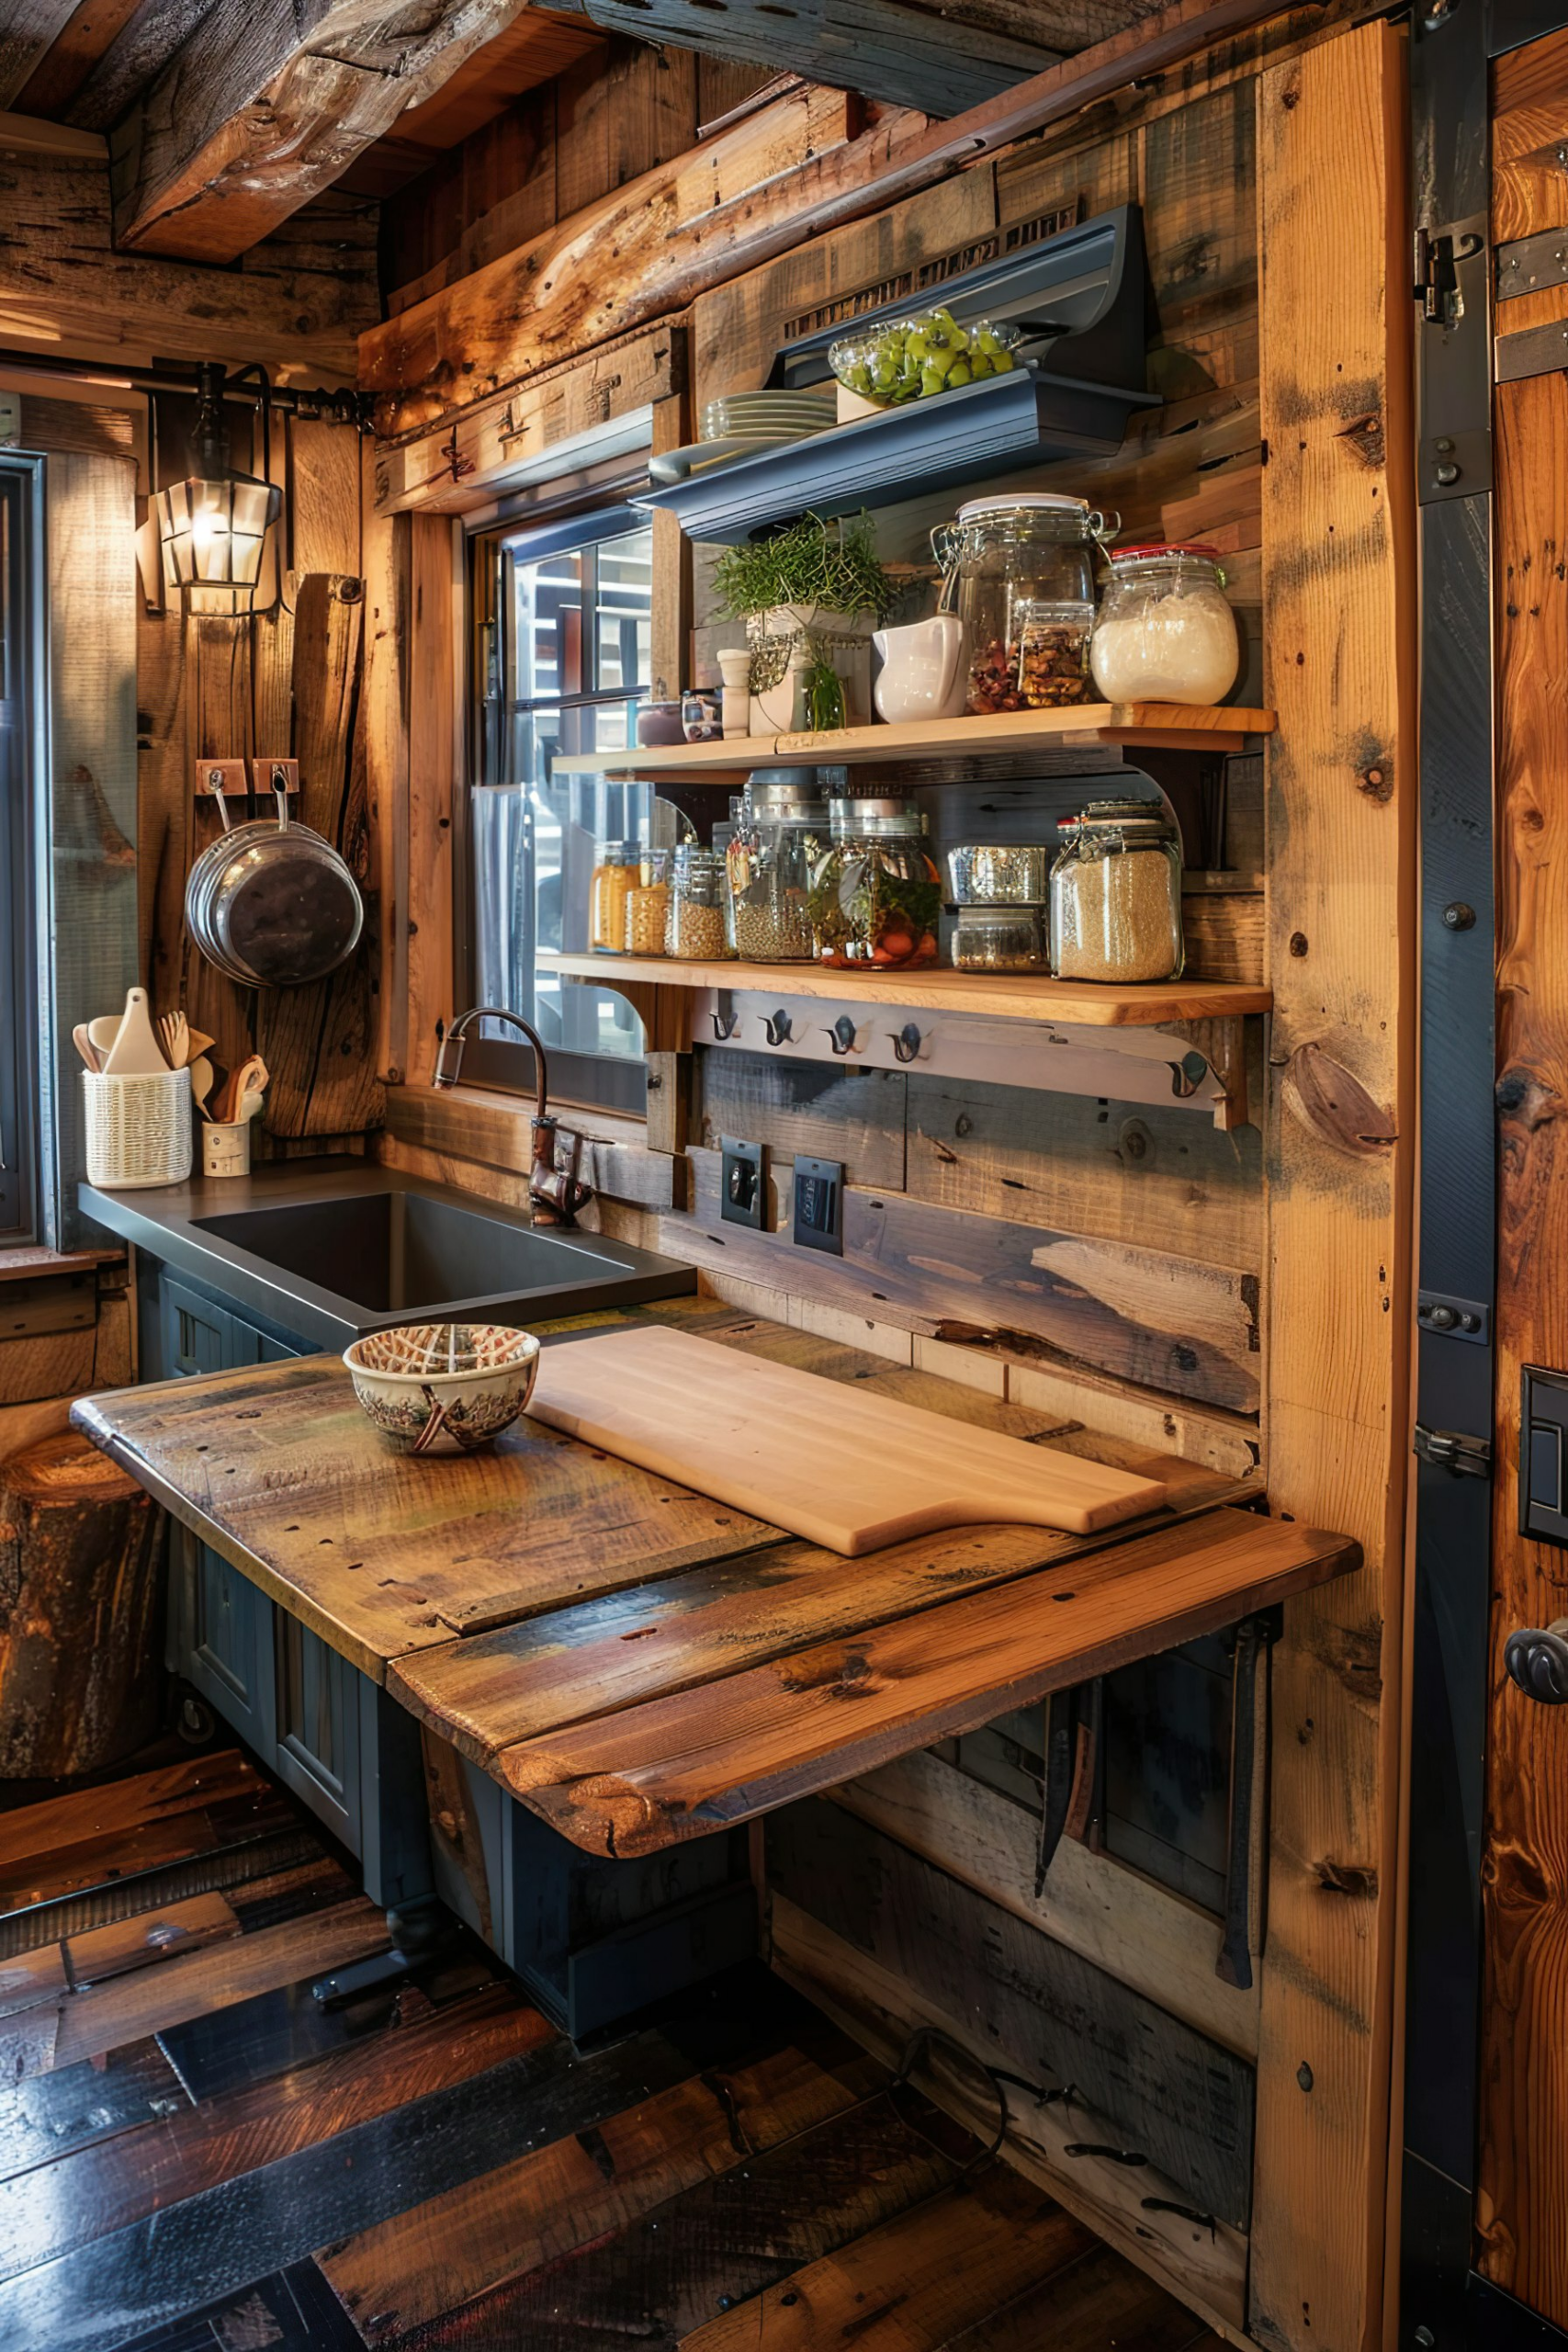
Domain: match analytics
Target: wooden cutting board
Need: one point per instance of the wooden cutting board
(840, 1467)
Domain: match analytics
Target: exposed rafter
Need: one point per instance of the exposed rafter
(268, 102)
(27, 27)
(938, 55)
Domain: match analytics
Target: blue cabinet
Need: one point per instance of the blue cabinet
(592, 1939)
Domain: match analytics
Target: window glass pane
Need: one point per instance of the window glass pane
(570, 688)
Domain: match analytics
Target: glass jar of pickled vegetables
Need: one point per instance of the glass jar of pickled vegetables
(1020, 574)
(875, 893)
(781, 831)
(694, 926)
(1166, 632)
(647, 904)
(1116, 894)
(615, 871)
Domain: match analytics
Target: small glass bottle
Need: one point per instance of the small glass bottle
(615, 871)
(648, 905)
(694, 920)
(1116, 895)
(1165, 632)
(875, 895)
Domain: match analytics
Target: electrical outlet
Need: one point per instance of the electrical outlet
(819, 1205)
(741, 1184)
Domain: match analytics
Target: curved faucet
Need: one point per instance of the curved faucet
(556, 1192)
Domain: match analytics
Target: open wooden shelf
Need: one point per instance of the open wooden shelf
(1162, 726)
(1019, 997)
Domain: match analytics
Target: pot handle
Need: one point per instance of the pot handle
(280, 792)
(215, 786)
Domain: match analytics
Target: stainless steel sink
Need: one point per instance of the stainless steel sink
(392, 1252)
(323, 1251)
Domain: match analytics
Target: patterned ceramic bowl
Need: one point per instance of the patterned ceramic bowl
(454, 1384)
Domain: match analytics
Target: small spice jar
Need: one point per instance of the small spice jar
(1116, 894)
(615, 871)
(781, 831)
(1165, 632)
(648, 905)
(1020, 569)
(694, 919)
(875, 895)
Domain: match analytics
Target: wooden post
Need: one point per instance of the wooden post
(79, 1682)
(1340, 611)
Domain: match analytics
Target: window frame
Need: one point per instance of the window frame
(586, 521)
(25, 894)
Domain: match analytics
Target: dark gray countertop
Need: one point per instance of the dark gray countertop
(326, 1278)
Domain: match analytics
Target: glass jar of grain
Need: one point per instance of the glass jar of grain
(648, 905)
(615, 871)
(694, 922)
(1116, 895)
(781, 831)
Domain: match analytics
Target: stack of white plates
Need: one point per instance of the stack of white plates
(768, 417)
(743, 424)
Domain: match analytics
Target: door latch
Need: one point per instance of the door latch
(1468, 1457)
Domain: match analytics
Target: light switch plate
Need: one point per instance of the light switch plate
(1543, 1454)
(742, 1185)
(819, 1205)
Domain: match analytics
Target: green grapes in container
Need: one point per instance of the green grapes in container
(910, 360)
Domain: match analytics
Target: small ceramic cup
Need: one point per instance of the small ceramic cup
(225, 1150)
(455, 1385)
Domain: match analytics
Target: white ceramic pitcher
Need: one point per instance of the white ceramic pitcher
(923, 674)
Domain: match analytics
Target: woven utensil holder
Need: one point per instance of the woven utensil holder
(138, 1129)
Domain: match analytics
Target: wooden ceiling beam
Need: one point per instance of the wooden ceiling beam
(937, 55)
(140, 50)
(27, 27)
(267, 103)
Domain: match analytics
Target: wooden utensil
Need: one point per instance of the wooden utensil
(202, 1078)
(102, 1031)
(838, 1466)
(81, 1037)
(250, 1078)
(174, 1031)
(136, 1052)
(201, 1042)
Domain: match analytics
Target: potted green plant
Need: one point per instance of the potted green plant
(810, 597)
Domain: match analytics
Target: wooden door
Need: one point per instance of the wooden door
(1522, 2199)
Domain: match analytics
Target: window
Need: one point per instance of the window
(563, 650)
(20, 651)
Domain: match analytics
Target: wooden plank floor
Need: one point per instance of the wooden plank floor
(195, 2157)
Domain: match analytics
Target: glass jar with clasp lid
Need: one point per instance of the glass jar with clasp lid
(1165, 631)
(694, 917)
(875, 893)
(1116, 894)
(1020, 573)
(781, 831)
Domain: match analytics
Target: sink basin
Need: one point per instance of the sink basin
(321, 1252)
(392, 1252)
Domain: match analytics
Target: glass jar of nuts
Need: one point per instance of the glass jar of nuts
(1020, 573)
(694, 919)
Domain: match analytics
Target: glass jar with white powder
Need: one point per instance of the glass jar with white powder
(1165, 632)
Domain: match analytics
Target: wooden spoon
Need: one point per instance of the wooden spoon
(202, 1076)
(250, 1078)
(84, 1043)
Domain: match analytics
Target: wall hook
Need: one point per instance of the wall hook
(779, 1026)
(724, 1024)
(906, 1043)
(842, 1036)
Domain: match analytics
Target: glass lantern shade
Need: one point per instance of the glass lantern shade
(212, 534)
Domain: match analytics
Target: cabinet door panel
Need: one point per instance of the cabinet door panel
(224, 1643)
(318, 1727)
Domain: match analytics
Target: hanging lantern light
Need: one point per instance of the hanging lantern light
(213, 525)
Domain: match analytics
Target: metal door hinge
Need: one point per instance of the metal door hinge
(1468, 1457)
(1437, 252)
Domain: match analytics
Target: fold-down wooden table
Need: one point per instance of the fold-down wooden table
(639, 1665)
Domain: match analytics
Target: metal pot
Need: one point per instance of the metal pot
(273, 905)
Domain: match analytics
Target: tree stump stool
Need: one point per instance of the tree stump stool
(79, 1680)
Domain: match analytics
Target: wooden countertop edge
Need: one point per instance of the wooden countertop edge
(612, 1816)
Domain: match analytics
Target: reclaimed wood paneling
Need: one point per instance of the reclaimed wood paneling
(1524, 2066)
(1161, 1946)
(1338, 587)
(1165, 1322)
(1134, 2208)
(1146, 2080)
